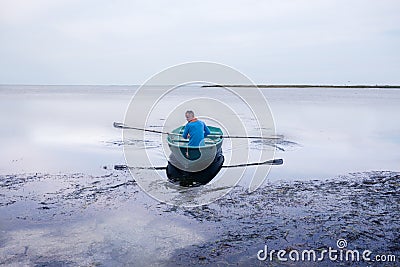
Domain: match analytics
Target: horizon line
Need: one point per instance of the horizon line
(237, 85)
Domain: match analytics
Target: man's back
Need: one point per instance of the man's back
(196, 130)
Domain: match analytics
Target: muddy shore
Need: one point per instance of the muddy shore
(362, 208)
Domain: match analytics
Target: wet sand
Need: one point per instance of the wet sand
(363, 209)
(108, 220)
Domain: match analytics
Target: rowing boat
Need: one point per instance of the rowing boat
(194, 164)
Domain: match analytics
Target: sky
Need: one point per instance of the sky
(272, 42)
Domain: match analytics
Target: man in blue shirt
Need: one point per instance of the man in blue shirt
(195, 130)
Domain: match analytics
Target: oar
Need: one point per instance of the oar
(250, 137)
(267, 162)
(123, 126)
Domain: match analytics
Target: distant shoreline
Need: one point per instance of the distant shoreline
(303, 86)
(215, 85)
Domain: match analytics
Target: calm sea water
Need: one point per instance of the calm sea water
(326, 132)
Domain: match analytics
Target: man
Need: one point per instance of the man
(195, 130)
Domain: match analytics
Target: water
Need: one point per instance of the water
(338, 131)
(326, 132)
(67, 129)
(61, 202)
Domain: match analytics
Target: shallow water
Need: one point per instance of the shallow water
(326, 132)
(339, 131)
(55, 130)
(61, 202)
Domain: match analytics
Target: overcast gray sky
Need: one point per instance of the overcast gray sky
(126, 42)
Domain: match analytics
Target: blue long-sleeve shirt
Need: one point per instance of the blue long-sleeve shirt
(197, 130)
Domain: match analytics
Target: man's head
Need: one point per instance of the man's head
(189, 115)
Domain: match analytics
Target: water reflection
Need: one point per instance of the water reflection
(325, 132)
